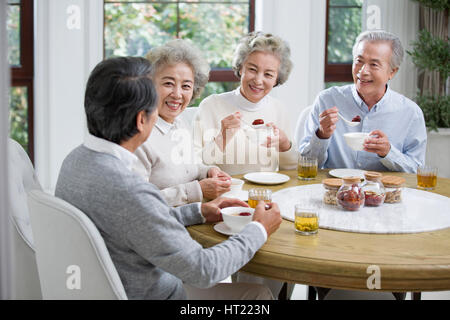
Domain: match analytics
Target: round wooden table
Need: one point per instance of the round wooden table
(335, 259)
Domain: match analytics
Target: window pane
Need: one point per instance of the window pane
(18, 102)
(116, 1)
(132, 29)
(346, 3)
(13, 29)
(344, 25)
(215, 87)
(215, 28)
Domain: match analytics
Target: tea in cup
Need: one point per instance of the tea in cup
(256, 195)
(426, 177)
(306, 219)
(307, 168)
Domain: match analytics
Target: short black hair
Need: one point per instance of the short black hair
(117, 90)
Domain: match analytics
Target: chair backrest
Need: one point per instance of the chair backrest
(72, 258)
(188, 115)
(300, 127)
(21, 180)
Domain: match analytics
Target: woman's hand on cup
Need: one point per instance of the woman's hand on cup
(214, 187)
(217, 173)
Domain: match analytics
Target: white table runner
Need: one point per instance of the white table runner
(419, 211)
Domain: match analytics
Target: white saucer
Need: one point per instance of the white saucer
(222, 228)
(269, 178)
(341, 173)
(241, 195)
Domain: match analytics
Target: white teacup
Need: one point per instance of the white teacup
(355, 140)
(233, 220)
(236, 186)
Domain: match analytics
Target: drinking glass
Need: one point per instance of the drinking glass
(426, 177)
(259, 194)
(307, 168)
(306, 219)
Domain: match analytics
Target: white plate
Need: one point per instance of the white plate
(222, 228)
(266, 177)
(241, 195)
(341, 173)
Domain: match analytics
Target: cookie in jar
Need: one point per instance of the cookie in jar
(393, 186)
(331, 186)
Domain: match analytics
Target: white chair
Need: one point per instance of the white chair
(22, 179)
(72, 258)
(300, 127)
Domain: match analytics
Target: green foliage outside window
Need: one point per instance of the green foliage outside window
(13, 27)
(18, 99)
(18, 102)
(344, 25)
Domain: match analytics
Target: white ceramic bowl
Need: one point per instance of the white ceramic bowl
(355, 140)
(233, 220)
(236, 185)
(259, 135)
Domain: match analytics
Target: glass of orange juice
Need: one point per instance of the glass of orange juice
(426, 177)
(259, 194)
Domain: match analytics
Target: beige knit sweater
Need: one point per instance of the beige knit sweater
(243, 153)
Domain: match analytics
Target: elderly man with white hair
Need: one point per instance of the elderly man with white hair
(396, 124)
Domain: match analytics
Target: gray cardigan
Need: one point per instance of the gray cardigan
(147, 239)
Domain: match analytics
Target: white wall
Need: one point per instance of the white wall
(68, 45)
(302, 25)
(401, 17)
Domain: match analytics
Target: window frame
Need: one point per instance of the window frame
(335, 72)
(23, 74)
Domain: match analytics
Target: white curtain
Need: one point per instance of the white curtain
(436, 22)
(6, 267)
(401, 17)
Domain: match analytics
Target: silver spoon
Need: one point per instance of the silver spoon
(350, 123)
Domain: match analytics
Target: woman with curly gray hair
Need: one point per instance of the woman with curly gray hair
(226, 131)
(167, 159)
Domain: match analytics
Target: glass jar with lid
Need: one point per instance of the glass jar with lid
(350, 195)
(331, 186)
(373, 188)
(393, 186)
